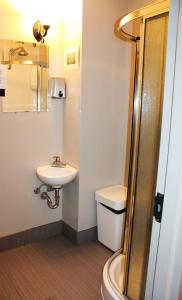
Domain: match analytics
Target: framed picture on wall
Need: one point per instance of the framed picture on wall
(72, 58)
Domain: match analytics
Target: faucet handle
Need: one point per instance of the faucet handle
(58, 162)
(56, 158)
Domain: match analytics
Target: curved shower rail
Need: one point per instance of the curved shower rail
(161, 6)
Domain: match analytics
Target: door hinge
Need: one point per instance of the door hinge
(158, 207)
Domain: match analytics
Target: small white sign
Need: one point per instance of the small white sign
(3, 76)
(72, 58)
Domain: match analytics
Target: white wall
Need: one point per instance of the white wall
(71, 133)
(136, 4)
(96, 113)
(104, 105)
(33, 138)
(27, 140)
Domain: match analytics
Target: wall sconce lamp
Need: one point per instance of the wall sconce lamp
(40, 31)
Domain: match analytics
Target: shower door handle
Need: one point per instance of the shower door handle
(158, 207)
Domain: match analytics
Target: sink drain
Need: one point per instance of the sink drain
(50, 298)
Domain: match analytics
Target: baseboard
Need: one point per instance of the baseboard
(86, 236)
(80, 237)
(31, 235)
(69, 232)
(46, 231)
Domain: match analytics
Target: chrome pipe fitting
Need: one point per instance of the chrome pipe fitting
(44, 195)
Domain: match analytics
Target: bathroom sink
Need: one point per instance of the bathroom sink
(55, 176)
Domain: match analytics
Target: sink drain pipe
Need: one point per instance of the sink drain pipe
(45, 196)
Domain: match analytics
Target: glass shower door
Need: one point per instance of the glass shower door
(144, 163)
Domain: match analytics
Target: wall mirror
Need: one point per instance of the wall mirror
(25, 67)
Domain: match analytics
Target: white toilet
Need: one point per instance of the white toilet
(111, 208)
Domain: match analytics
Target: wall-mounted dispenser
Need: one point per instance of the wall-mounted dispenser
(57, 88)
(3, 77)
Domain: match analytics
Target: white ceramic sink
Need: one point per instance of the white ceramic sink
(55, 176)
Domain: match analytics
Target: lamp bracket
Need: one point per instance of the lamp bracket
(40, 31)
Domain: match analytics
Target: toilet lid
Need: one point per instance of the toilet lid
(113, 196)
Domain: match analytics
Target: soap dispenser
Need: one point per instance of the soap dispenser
(57, 88)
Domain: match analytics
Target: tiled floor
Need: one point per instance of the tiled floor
(52, 269)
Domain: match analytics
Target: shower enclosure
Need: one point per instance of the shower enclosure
(150, 56)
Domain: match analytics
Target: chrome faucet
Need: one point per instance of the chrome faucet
(58, 163)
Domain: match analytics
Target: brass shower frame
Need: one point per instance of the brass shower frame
(144, 13)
